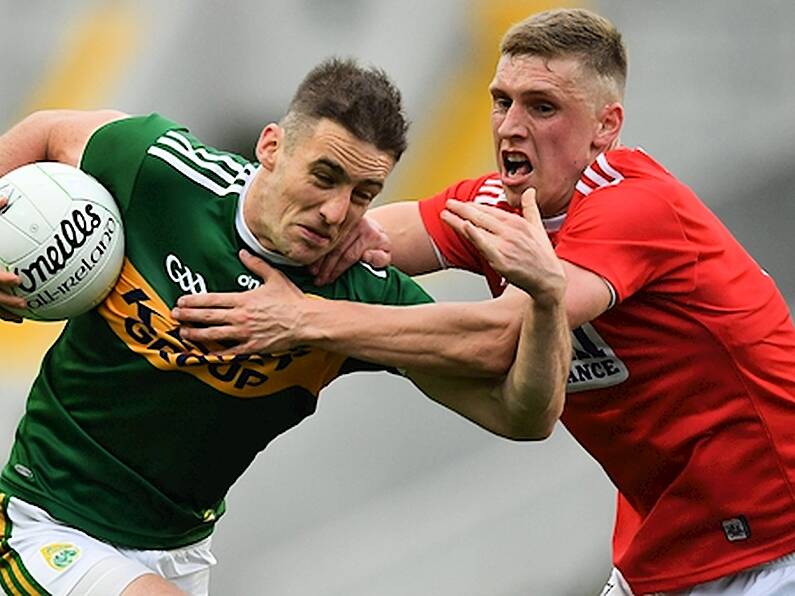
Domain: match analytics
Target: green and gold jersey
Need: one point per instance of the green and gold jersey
(131, 433)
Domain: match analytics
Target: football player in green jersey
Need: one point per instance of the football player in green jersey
(133, 434)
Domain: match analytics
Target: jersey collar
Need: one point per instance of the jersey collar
(554, 223)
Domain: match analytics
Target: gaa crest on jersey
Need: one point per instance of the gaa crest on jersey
(594, 365)
(60, 556)
(188, 280)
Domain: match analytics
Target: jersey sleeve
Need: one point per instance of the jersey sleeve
(633, 238)
(388, 286)
(116, 151)
(455, 251)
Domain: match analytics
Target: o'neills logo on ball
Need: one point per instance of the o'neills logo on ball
(74, 232)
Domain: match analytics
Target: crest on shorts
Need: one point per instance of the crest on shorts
(736, 528)
(60, 555)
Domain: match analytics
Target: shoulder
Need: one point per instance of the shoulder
(624, 169)
(159, 134)
(486, 190)
(626, 194)
(628, 179)
(151, 156)
(124, 140)
(148, 126)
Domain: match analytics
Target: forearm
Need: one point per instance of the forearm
(534, 390)
(526, 404)
(464, 339)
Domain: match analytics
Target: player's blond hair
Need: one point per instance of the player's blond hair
(573, 32)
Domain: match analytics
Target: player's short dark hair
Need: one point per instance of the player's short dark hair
(361, 99)
(577, 32)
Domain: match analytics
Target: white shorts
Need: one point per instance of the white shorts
(39, 555)
(774, 578)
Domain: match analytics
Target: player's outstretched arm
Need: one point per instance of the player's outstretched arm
(478, 338)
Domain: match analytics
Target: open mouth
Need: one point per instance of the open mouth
(516, 164)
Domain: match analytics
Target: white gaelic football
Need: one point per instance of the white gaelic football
(61, 233)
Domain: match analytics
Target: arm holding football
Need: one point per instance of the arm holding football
(51, 135)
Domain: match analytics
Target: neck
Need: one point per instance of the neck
(252, 200)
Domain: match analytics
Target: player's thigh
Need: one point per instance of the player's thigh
(187, 568)
(151, 585)
(41, 555)
(118, 575)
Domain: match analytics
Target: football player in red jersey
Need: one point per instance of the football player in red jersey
(682, 380)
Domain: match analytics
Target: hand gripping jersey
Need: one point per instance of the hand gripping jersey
(684, 390)
(132, 434)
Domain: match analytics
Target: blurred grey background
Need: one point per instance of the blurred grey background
(382, 492)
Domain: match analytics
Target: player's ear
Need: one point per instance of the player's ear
(270, 141)
(611, 119)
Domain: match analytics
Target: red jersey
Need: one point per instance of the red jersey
(684, 390)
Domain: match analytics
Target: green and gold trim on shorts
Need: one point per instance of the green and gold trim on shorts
(14, 578)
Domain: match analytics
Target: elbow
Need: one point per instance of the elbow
(524, 425)
(541, 431)
(526, 434)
